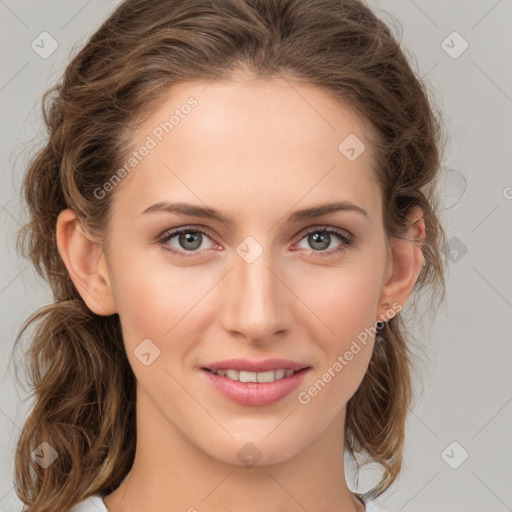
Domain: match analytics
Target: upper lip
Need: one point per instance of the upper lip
(256, 366)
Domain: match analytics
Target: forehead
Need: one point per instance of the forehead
(268, 142)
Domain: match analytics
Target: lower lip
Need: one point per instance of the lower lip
(255, 393)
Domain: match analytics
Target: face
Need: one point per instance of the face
(258, 281)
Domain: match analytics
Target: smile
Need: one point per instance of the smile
(244, 376)
(255, 388)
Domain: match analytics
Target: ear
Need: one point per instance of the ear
(86, 264)
(404, 265)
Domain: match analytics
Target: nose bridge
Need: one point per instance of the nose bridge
(256, 305)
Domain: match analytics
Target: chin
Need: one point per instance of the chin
(244, 452)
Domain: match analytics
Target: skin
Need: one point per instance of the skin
(275, 146)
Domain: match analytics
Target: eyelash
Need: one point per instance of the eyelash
(346, 239)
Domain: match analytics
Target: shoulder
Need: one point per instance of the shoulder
(92, 504)
(371, 507)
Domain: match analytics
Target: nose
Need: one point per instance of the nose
(257, 305)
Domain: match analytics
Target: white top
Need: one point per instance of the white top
(95, 504)
(92, 504)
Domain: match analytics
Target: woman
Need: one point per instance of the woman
(236, 200)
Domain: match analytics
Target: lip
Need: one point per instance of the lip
(255, 394)
(256, 366)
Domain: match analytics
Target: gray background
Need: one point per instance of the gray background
(467, 389)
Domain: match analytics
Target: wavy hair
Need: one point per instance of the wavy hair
(83, 385)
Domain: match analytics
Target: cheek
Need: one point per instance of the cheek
(149, 298)
(347, 301)
(161, 303)
(347, 306)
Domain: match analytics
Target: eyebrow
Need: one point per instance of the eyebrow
(209, 213)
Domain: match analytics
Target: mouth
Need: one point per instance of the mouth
(261, 377)
(255, 383)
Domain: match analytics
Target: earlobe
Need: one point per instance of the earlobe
(85, 262)
(405, 264)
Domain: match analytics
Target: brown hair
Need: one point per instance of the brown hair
(82, 382)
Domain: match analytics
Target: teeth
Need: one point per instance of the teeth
(269, 376)
(280, 374)
(247, 376)
(232, 374)
(243, 376)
